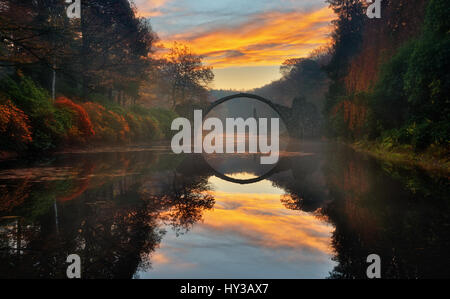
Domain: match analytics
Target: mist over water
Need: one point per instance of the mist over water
(145, 212)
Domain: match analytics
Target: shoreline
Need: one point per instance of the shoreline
(87, 149)
(156, 145)
(432, 159)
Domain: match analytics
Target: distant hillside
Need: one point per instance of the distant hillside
(303, 78)
(216, 94)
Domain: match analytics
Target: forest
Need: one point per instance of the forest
(389, 77)
(94, 80)
(379, 84)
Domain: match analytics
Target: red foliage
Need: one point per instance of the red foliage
(83, 185)
(84, 124)
(14, 124)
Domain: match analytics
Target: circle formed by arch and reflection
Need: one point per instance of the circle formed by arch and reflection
(245, 168)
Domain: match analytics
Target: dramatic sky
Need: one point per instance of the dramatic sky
(244, 41)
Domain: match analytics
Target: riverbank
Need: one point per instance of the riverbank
(31, 123)
(159, 145)
(433, 159)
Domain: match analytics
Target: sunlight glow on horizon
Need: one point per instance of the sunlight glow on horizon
(245, 47)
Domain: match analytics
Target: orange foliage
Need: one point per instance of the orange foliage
(381, 39)
(108, 125)
(83, 185)
(354, 114)
(354, 183)
(83, 126)
(14, 124)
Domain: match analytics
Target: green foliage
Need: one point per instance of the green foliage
(389, 102)
(52, 124)
(409, 103)
(164, 118)
(143, 126)
(437, 20)
(49, 123)
(346, 36)
(28, 96)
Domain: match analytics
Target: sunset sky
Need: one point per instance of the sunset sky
(244, 41)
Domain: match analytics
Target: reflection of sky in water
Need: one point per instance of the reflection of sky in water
(248, 234)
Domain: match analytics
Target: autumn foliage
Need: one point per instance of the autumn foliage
(32, 122)
(81, 124)
(15, 130)
(108, 125)
(354, 114)
(390, 80)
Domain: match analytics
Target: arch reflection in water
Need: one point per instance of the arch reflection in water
(246, 107)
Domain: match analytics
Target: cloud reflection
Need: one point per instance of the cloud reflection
(247, 234)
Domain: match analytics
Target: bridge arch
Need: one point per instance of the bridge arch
(261, 99)
(251, 96)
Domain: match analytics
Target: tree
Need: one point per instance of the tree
(106, 52)
(305, 120)
(346, 36)
(346, 43)
(35, 34)
(115, 49)
(185, 75)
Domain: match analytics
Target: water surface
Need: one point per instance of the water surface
(147, 213)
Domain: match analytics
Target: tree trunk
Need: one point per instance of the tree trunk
(53, 84)
(84, 54)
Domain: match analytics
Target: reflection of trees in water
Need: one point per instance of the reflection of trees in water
(183, 201)
(303, 183)
(113, 223)
(401, 215)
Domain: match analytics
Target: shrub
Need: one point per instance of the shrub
(26, 94)
(108, 125)
(49, 123)
(81, 127)
(164, 118)
(143, 127)
(15, 130)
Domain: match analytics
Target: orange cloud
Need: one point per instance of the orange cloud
(160, 258)
(150, 8)
(264, 221)
(266, 39)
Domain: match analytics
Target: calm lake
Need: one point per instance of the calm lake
(145, 212)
